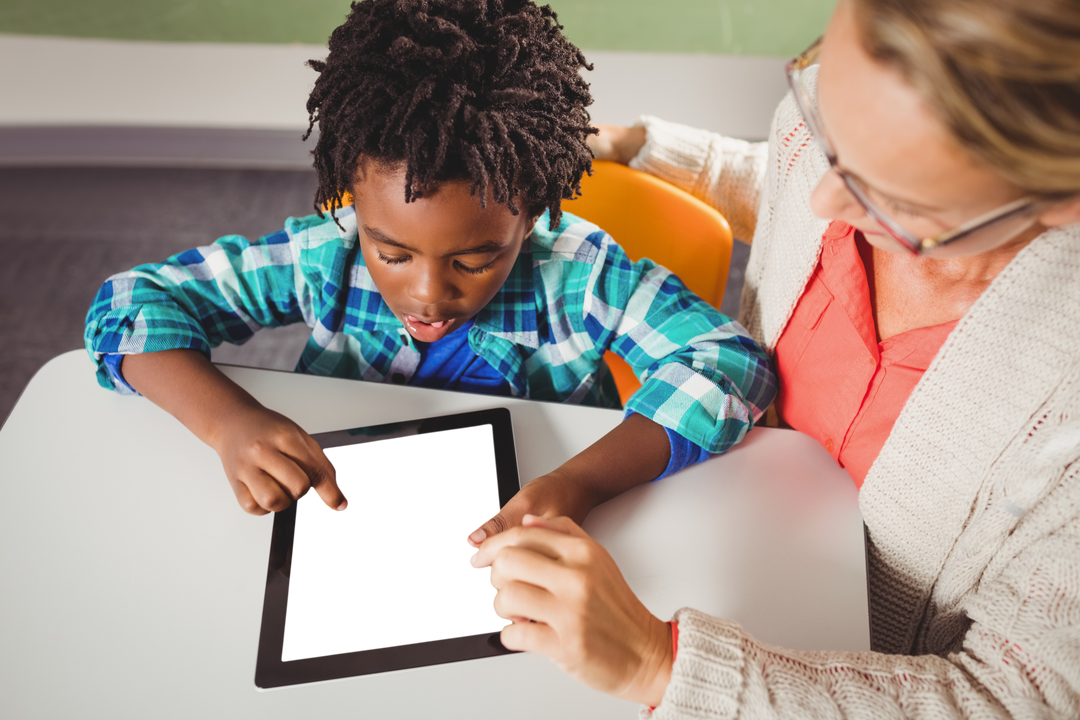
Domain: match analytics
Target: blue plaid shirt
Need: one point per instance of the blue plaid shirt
(572, 294)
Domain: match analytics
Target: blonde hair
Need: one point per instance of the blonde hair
(1002, 75)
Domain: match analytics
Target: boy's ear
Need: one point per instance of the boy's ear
(533, 219)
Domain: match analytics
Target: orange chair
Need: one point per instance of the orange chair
(654, 219)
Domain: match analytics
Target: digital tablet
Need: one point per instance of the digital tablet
(386, 584)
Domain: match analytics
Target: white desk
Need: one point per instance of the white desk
(133, 583)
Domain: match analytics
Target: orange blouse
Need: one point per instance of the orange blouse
(838, 384)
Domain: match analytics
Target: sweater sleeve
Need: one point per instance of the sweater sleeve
(1017, 659)
(198, 299)
(723, 172)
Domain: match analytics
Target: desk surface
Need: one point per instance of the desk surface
(132, 582)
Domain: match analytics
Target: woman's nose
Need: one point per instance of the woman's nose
(831, 200)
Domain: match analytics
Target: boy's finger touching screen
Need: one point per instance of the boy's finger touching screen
(270, 462)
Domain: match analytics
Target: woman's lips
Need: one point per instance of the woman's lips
(427, 331)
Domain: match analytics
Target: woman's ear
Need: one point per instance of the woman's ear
(1065, 213)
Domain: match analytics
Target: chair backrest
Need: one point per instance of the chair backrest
(654, 219)
(651, 218)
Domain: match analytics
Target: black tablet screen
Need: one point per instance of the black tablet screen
(398, 553)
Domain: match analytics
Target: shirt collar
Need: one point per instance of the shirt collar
(511, 314)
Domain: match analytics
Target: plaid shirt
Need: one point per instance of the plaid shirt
(571, 295)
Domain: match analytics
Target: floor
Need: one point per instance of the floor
(64, 230)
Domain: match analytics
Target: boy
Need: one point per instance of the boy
(456, 127)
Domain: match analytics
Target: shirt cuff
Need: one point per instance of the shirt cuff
(683, 452)
(112, 363)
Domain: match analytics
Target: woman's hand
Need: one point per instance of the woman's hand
(270, 461)
(617, 143)
(568, 601)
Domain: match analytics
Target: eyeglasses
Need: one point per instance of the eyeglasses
(978, 235)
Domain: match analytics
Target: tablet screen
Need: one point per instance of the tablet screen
(386, 584)
(393, 568)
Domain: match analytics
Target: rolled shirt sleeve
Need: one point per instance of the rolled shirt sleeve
(196, 300)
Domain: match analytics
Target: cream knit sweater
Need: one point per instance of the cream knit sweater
(972, 507)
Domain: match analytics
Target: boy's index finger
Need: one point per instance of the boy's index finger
(323, 478)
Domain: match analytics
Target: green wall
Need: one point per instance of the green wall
(740, 27)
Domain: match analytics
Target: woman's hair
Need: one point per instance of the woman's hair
(487, 91)
(1002, 75)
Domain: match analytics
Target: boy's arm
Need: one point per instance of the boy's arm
(703, 378)
(198, 299)
(152, 328)
(269, 460)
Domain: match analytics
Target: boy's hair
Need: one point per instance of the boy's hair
(482, 90)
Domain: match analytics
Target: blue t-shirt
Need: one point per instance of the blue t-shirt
(450, 364)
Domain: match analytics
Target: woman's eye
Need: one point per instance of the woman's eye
(473, 270)
(898, 209)
(391, 260)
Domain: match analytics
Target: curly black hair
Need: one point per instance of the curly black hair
(482, 90)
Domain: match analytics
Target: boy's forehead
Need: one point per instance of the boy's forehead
(448, 216)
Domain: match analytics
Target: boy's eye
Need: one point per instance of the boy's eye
(473, 270)
(391, 260)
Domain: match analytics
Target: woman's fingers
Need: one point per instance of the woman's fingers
(534, 637)
(587, 620)
(521, 600)
(559, 524)
(548, 541)
(521, 564)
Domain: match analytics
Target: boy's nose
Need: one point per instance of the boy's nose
(431, 286)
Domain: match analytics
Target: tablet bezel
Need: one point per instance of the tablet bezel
(271, 672)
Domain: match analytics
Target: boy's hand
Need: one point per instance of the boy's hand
(636, 451)
(568, 601)
(550, 496)
(270, 462)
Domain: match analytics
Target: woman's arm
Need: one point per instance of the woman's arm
(1020, 657)
(724, 172)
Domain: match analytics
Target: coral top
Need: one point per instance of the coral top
(838, 384)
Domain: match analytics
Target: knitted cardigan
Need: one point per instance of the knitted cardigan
(972, 508)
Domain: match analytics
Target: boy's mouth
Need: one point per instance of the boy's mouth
(428, 331)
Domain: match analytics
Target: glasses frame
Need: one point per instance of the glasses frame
(915, 245)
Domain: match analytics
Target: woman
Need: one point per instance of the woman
(916, 249)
